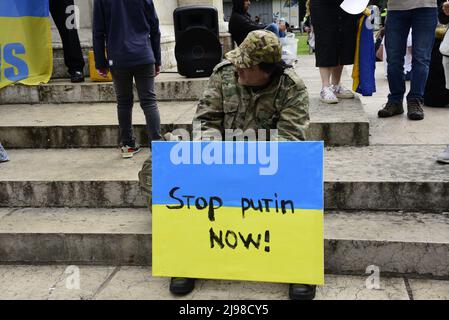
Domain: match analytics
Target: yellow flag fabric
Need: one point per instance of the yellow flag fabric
(356, 68)
(26, 55)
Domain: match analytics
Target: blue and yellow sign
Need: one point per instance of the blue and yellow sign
(25, 42)
(239, 211)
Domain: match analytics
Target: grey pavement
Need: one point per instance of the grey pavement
(434, 129)
(124, 283)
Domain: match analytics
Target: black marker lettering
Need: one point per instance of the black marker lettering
(214, 238)
(172, 195)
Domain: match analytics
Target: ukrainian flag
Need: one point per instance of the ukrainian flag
(364, 69)
(26, 55)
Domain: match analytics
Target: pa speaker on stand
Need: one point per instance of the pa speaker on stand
(198, 49)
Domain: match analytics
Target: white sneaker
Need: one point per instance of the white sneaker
(3, 155)
(444, 157)
(342, 92)
(128, 152)
(327, 95)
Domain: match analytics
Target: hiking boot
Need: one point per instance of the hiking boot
(342, 92)
(391, 109)
(327, 95)
(301, 292)
(444, 157)
(128, 152)
(182, 286)
(414, 109)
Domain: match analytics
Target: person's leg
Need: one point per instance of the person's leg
(446, 70)
(144, 76)
(396, 32)
(325, 74)
(73, 56)
(336, 75)
(123, 84)
(424, 22)
(397, 29)
(327, 94)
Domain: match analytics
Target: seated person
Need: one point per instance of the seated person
(240, 23)
(255, 69)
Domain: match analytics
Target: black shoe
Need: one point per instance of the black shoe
(414, 109)
(391, 109)
(182, 286)
(301, 292)
(76, 76)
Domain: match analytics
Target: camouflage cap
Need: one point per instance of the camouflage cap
(259, 46)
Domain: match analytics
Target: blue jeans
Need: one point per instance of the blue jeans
(274, 27)
(423, 22)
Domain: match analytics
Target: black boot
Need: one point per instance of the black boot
(415, 109)
(182, 286)
(302, 292)
(76, 76)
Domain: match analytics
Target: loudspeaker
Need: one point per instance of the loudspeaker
(198, 49)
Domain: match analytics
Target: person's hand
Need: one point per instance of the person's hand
(157, 70)
(307, 29)
(103, 72)
(446, 8)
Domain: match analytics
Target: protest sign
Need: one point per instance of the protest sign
(238, 211)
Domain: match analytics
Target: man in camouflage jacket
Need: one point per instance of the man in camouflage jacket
(281, 103)
(250, 91)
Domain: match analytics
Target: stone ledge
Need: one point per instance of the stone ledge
(136, 283)
(95, 125)
(406, 243)
(369, 178)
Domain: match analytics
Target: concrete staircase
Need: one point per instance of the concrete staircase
(66, 196)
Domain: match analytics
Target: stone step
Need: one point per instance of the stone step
(368, 178)
(60, 69)
(50, 282)
(169, 86)
(397, 243)
(96, 125)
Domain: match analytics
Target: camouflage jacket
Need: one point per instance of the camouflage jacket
(283, 105)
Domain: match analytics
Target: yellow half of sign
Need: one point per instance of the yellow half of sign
(284, 248)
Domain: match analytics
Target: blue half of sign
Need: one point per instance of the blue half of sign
(297, 168)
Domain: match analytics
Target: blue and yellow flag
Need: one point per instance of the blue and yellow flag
(364, 69)
(26, 55)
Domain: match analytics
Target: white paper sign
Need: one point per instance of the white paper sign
(354, 6)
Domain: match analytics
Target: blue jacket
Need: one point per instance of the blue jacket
(128, 30)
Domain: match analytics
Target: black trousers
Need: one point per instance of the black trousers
(73, 56)
(436, 94)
